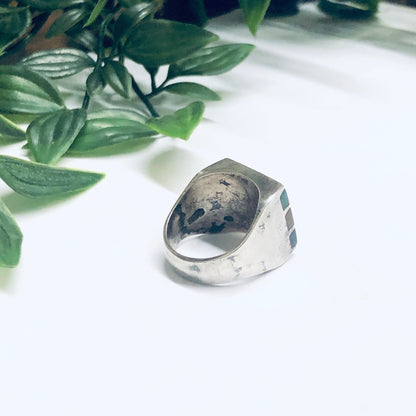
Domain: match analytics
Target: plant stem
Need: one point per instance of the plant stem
(144, 98)
(157, 90)
(153, 81)
(86, 101)
(100, 57)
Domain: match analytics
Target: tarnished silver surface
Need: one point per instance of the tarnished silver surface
(228, 197)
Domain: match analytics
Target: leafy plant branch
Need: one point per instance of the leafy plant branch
(106, 34)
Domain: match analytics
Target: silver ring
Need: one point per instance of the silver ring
(228, 197)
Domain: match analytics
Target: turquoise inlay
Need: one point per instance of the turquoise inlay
(293, 239)
(284, 199)
(289, 219)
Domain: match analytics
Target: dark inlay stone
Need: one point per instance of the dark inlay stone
(224, 182)
(197, 214)
(178, 212)
(289, 219)
(284, 200)
(229, 218)
(293, 239)
(214, 229)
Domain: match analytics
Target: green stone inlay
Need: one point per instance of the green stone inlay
(289, 219)
(284, 199)
(293, 239)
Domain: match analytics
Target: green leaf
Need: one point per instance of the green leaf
(66, 21)
(8, 10)
(131, 17)
(193, 90)
(254, 11)
(36, 180)
(23, 91)
(10, 238)
(131, 3)
(211, 61)
(9, 130)
(199, 13)
(14, 23)
(117, 76)
(85, 38)
(181, 123)
(52, 4)
(58, 63)
(50, 136)
(349, 9)
(110, 127)
(98, 8)
(159, 42)
(19, 25)
(95, 82)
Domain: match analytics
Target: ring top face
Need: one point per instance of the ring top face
(230, 197)
(222, 202)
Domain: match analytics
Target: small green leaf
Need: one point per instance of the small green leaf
(53, 4)
(199, 13)
(58, 63)
(254, 11)
(181, 123)
(193, 90)
(95, 82)
(131, 17)
(64, 22)
(98, 8)
(158, 42)
(211, 61)
(23, 91)
(13, 23)
(110, 127)
(10, 238)
(51, 135)
(349, 9)
(13, 27)
(85, 38)
(9, 130)
(117, 76)
(36, 180)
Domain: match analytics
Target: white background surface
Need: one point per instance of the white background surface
(93, 322)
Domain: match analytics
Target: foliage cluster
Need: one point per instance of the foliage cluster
(103, 34)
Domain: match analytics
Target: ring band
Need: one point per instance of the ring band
(228, 197)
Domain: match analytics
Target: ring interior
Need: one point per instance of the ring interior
(215, 203)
